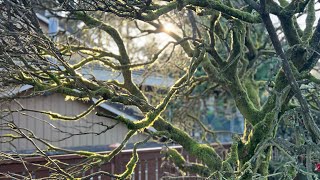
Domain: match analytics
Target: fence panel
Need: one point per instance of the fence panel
(151, 165)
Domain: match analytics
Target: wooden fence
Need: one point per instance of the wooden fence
(151, 165)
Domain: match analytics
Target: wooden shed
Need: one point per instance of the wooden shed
(65, 134)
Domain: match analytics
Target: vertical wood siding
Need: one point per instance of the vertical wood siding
(43, 127)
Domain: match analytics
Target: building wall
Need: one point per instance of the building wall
(44, 127)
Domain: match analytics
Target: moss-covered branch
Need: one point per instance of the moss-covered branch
(203, 152)
(153, 115)
(308, 120)
(133, 161)
(209, 4)
(93, 22)
(289, 30)
(68, 49)
(185, 166)
(219, 6)
(311, 17)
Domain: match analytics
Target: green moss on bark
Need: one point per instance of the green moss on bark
(203, 152)
(259, 133)
(253, 92)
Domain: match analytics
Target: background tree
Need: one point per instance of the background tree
(220, 46)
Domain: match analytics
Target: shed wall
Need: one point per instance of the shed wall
(55, 131)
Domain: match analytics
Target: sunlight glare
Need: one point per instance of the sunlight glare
(168, 27)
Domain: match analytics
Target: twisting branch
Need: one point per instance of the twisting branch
(56, 116)
(93, 22)
(308, 120)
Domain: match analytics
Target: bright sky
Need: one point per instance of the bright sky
(301, 19)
